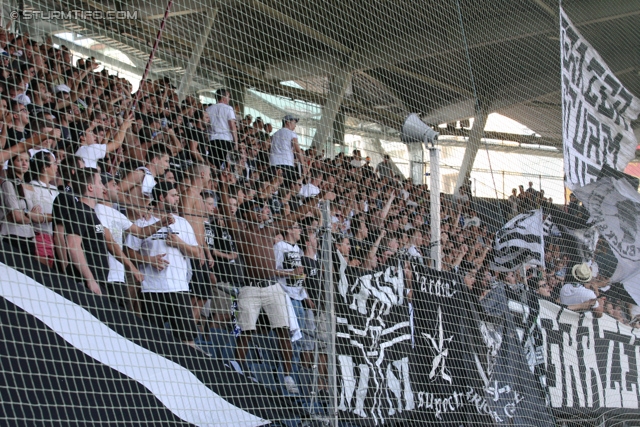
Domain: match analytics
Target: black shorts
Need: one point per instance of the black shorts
(200, 285)
(172, 307)
(23, 245)
(219, 150)
(289, 173)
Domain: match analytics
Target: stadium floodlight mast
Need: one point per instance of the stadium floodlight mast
(416, 134)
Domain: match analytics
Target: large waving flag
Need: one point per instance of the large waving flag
(69, 355)
(597, 111)
(614, 207)
(520, 241)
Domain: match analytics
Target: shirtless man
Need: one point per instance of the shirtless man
(139, 183)
(255, 238)
(192, 209)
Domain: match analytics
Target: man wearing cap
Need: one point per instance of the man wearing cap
(284, 148)
(577, 295)
(223, 134)
(63, 92)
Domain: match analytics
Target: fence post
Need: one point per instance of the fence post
(330, 318)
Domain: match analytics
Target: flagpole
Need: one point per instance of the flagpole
(564, 160)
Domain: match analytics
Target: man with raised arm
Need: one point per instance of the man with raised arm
(163, 258)
(118, 224)
(90, 151)
(255, 234)
(140, 182)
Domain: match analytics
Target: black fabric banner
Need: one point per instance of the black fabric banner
(448, 388)
(591, 365)
(69, 355)
(511, 389)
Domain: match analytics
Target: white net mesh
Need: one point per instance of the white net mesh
(319, 213)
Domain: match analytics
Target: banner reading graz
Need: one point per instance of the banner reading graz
(591, 364)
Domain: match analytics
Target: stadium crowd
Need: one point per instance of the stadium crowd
(176, 209)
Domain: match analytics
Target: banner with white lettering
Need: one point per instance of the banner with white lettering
(511, 389)
(591, 364)
(448, 389)
(508, 359)
(597, 111)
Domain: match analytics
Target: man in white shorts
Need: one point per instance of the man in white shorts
(255, 238)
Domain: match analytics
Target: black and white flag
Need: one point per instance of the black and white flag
(512, 392)
(549, 228)
(519, 241)
(580, 244)
(597, 111)
(614, 207)
(69, 355)
(373, 338)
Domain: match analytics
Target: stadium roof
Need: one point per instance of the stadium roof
(402, 56)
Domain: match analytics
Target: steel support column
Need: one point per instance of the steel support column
(475, 139)
(338, 84)
(194, 59)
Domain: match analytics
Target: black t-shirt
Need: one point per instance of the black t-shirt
(65, 201)
(15, 136)
(81, 220)
(312, 282)
(360, 249)
(220, 239)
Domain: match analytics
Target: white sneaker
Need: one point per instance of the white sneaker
(290, 385)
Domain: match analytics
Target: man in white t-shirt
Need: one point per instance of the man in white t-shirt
(223, 133)
(312, 188)
(578, 297)
(117, 224)
(89, 150)
(284, 148)
(288, 256)
(163, 258)
(356, 161)
(290, 274)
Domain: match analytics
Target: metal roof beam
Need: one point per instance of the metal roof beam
(297, 25)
